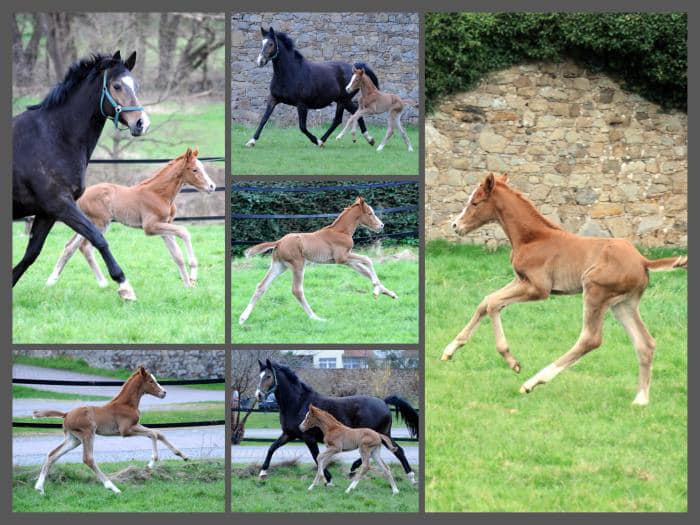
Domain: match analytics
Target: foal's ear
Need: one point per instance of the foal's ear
(359, 200)
(489, 183)
(129, 62)
(195, 151)
(188, 153)
(142, 370)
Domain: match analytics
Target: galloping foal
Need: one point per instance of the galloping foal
(119, 417)
(546, 259)
(339, 438)
(149, 204)
(331, 244)
(375, 102)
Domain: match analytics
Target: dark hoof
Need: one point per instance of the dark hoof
(516, 368)
(371, 142)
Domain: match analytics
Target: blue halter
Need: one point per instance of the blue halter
(117, 107)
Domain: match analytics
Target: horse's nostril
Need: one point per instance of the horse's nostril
(139, 123)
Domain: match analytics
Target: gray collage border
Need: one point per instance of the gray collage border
(6, 346)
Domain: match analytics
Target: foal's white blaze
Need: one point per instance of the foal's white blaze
(464, 210)
(381, 224)
(348, 88)
(163, 392)
(210, 183)
(260, 58)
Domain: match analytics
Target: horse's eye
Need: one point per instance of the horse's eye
(117, 87)
(194, 170)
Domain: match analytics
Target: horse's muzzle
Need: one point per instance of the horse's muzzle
(261, 60)
(140, 127)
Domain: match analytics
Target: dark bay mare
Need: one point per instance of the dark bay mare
(294, 397)
(306, 85)
(52, 143)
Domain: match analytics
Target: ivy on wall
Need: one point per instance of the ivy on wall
(645, 52)
(332, 201)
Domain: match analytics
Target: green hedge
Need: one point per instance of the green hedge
(646, 52)
(255, 202)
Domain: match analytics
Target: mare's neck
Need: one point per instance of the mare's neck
(82, 111)
(520, 220)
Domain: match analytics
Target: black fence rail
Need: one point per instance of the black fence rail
(108, 383)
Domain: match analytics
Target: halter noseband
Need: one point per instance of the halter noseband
(118, 109)
(274, 385)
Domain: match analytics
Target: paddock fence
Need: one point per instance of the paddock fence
(248, 198)
(108, 383)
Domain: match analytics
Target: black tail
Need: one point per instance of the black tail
(407, 412)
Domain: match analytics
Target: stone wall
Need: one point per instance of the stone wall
(388, 42)
(379, 382)
(181, 364)
(592, 157)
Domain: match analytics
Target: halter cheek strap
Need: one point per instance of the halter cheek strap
(118, 109)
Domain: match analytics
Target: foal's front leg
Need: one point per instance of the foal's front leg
(516, 292)
(167, 230)
(155, 436)
(323, 459)
(351, 121)
(363, 265)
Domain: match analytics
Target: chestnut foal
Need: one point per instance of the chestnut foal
(119, 417)
(546, 259)
(339, 438)
(332, 244)
(149, 205)
(375, 102)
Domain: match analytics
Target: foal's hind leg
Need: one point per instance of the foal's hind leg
(70, 248)
(89, 460)
(277, 268)
(69, 443)
(365, 455)
(404, 135)
(515, 292)
(595, 304)
(298, 291)
(389, 132)
(377, 455)
(627, 313)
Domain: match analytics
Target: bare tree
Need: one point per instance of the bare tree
(60, 40)
(25, 56)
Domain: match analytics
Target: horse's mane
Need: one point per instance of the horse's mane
(372, 76)
(76, 74)
(291, 376)
(531, 207)
(340, 215)
(161, 170)
(288, 42)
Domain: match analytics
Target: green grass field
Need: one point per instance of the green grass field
(76, 310)
(576, 444)
(25, 392)
(338, 294)
(286, 151)
(285, 490)
(173, 486)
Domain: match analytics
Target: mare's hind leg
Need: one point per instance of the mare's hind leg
(298, 291)
(303, 111)
(404, 135)
(627, 313)
(515, 292)
(595, 303)
(69, 443)
(337, 120)
(89, 459)
(363, 265)
(40, 229)
(277, 268)
(377, 455)
(389, 132)
(271, 103)
(71, 215)
(70, 248)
